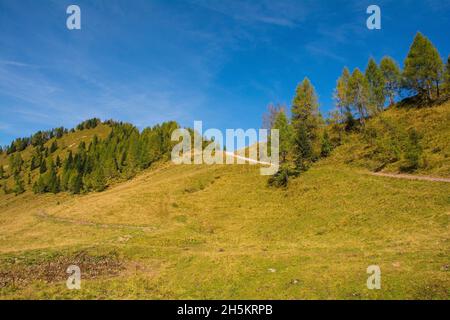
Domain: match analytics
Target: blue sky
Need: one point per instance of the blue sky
(219, 61)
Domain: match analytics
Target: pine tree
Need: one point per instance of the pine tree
(392, 78)
(423, 68)
(305, 108)
(359, 94)
(285, 134)
(375, 81)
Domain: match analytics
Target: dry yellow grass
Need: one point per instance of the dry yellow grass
(218, 231)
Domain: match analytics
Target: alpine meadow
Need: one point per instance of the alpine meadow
(363, 183)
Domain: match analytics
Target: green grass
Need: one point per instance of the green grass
(431, 122)
(219, 232)
(219, 241)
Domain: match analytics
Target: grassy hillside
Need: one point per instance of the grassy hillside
(380, 148)
(220, 232)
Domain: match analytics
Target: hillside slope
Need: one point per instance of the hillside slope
(220, 232)
(381, 147)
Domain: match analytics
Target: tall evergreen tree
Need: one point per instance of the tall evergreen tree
(375, 80)
(392, 78)
(423, 68)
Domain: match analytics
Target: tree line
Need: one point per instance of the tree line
(305, 138)
(91, 167)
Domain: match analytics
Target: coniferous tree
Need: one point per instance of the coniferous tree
(285, 134)
(53, 147)
(39, 186)
(375, 82)
(43, 167)
(305, 108)
(423, 68)
(303, 149)
(447, 77)
(19, 186)
(343, 102)
(359, 94)
(392, 78)
(51, 179)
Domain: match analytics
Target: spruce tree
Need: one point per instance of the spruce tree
(392, 78)
(423, 68)
(375, 81)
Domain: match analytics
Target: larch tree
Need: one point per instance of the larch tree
(305, 108)
(359, 94)
(375, 80)
(447, 77)
(392, 78)
(423, 68)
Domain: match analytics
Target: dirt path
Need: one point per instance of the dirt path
(246, 159)
(380, 174)
(409, 177)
